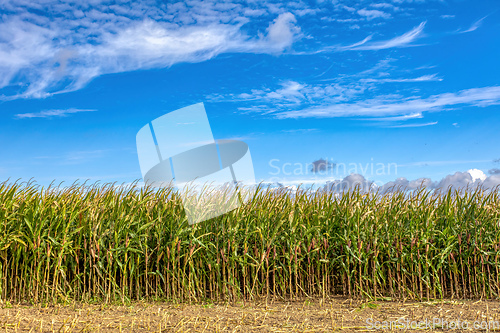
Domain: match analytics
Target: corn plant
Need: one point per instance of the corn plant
(107, 242)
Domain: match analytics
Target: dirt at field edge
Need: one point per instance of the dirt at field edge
(337, 314)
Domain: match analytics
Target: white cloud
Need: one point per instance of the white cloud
(477, 174)
(491, 182)
(397, 105)
(416, 115)
(282, 32)
(423, 78)
(355, 45)
(74, 157)
(358, 95)
(371, 14)
(347, 99)
(300, 130)
(404, 40)
(55, 47)
(294, 94)
(384, 5)
(414, 125)
(52, 113)
(459, 181)
(350, 183)
(474, 25)
(402, 183)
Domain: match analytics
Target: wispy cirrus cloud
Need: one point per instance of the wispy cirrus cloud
(357, 99)
(54, 47)
(423, 78)
(52, 113)
(404, 40)
(385, 5)
(397, 105)
(73, 157)
(363, 94)
(292, 94)
(417, 115)
(414, 125)
(476, 25)
(300, 130)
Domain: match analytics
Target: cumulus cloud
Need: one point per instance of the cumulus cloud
(477, 174)
(465, 180)
(491, 182)
(282, 32)
(458, 181)
(350, 183)
(55, 47)
(405, 184)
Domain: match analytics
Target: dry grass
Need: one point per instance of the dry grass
(310, 315)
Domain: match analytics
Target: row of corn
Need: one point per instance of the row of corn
(107, 243)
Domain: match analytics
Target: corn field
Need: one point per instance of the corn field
(108, 243)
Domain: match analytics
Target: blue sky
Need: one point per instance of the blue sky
(361, 84)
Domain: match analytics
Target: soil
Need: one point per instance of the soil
(308, 315)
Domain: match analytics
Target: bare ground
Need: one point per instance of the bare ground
(309, 315)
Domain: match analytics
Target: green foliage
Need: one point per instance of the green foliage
(106, 243)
